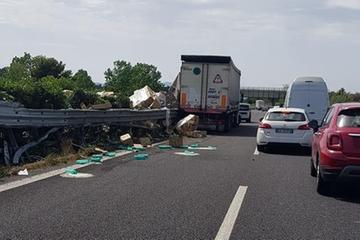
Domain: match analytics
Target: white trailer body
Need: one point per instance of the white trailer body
(209, 85)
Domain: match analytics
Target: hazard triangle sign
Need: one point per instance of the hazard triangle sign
(217, 79)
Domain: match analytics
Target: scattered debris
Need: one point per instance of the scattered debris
(83, 106)
(171, 100)
(103, 106)
(82, 161)
(151, 125)
(126, 140)
(196, 134)
(23, 172)
(142, 156)
(176, 140)
(187, 124)
(138, 147)
(187, 153)
(165, 147)
(144, 98)
(105, 94)
(68, 93)
(96, 158)
(77, 175)
(110, 154)
(100, 150)
(145, 141)
(70, 171)
(161, 98)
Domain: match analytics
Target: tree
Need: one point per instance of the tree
(42, 66)
(340, 96)
(83, 81)
(124, 78)
(19, 69)
(38, 82)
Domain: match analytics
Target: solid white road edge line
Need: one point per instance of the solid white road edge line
(39, 177)
(256, 152)
(226, 227)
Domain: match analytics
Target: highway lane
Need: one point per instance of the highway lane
(177, 197)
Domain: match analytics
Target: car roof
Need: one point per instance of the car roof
(247, 104)
(347, 105)
(278, 109)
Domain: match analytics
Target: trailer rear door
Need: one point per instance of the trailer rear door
(191, 85)
(217, 88)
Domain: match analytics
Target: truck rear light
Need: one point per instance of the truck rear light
(265, 125)
(223, 101)
(334, 142)
(304, 127)
(183, 99)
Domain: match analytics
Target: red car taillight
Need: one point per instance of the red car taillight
(334, 142)
(265, 125)
(304, 127)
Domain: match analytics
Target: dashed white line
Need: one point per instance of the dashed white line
(227, 226)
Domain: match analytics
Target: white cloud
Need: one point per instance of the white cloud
(348, 4)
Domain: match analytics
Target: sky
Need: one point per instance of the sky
(271, 41)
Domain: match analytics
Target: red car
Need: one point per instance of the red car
(336, 146)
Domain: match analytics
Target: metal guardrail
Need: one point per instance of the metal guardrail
(12, 115)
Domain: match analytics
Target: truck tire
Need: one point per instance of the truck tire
(235, 120)
(227, 123)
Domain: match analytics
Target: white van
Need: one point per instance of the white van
(311, 94)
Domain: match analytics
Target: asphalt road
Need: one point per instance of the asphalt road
(178, 197)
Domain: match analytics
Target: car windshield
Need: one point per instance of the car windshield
(286, 116)
(244, 107)
(349, 118)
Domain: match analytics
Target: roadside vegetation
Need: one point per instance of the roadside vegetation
(44, 82)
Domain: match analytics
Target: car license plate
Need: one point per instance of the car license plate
(281, 130)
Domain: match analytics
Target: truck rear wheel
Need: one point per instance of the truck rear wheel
(227, 123)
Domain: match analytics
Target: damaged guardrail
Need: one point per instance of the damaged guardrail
(13, 115)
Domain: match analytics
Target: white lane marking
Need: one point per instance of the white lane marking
(226, 227)
(39, 177)
(256, 152)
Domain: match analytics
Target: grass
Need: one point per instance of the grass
(48, 161)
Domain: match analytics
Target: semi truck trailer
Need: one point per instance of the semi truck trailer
(210, 88)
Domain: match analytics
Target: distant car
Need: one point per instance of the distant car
(336, 146)
(245, 112)
(281, 126)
